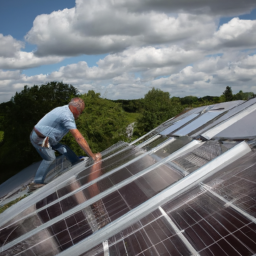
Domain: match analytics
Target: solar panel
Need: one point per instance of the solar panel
(164, 197)
(200, 156)
(178, 124)
(138, 209)
(226, 116)
(207, 224)
(242, 129)
(204, 118)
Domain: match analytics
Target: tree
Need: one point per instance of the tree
(158, 107)
(102, 123)
(21, 114)
(228, 94)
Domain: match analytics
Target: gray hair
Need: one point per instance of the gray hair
(78, 103)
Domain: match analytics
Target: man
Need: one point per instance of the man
(49, 131)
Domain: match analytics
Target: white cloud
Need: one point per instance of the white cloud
(150, 61)
(24, 60)
(9, 46)
(95, 27)
(209, 76)
(173, 45)
(210, 7)
(236, 33)
(11, 56)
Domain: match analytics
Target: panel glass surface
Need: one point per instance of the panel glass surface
(200, 156)
(210, 226)
(206, 117)
(242, 129)
(207, 215)
(108, 182)
(150, 236)
(227, 115)
(178, 124)
(155, 143)
(98, 214)
(237, 184)
(177, 118)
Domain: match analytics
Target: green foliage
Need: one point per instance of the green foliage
(1, 122)
(228, 94)
(1, 136)
(243, 95)
(188, 100)
(6, 206)
(131, 106)
(102, 123)
(132, 117)
(158, 107)
(21, 114)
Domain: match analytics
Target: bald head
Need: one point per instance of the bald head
(76, 105)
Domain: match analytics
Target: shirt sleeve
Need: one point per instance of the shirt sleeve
(69, 123)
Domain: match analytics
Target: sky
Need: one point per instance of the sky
(124, 48)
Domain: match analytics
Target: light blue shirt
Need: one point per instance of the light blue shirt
(56, 124)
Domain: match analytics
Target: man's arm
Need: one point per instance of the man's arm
(84, 145)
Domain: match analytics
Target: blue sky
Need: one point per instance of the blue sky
(127, 47)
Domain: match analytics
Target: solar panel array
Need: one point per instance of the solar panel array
(165, 194)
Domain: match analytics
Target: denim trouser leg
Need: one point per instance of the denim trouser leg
(67, 152)
(42, 171)
(49, 157)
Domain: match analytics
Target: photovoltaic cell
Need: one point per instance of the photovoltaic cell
(151, 235)
(227, 115)
(210, 226)
(209, 219)
(178, 124)
(108, 209)
(238, 184)
(242, 129)
(200, 156)
(155, 143)
(204, 118)
(172, 147)
(102, 185)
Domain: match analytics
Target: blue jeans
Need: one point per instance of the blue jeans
(48, 155)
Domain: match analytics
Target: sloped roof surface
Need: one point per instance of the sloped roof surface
(161, 195)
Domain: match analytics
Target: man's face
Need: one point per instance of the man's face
(78, 112)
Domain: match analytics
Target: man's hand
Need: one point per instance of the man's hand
(97, 157)
(84, 145)
(45, 143)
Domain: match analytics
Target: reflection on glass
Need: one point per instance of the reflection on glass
(200, 156)
(152, 237)
(210, 226)
(155, 143)
(172, 147)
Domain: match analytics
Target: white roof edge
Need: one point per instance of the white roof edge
(225, 124)
(170, 193)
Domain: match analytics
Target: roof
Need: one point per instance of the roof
(185, 188)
